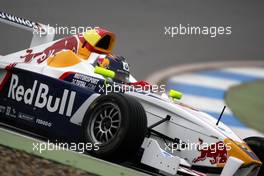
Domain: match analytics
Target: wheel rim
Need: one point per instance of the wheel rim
(105, 123)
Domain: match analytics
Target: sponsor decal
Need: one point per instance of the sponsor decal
(103, 62)
(43, 122)
(11, 112)
(216, 152)
(26, 117)
(39, 96)
(166, 154)
(85, 81)
(2, 109)
(125, 66)
(27, 23)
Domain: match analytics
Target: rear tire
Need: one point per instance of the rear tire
(118, 124)
(257, 146)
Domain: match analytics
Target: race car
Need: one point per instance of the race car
(75, 90)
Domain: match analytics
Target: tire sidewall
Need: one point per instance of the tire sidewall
(257, 146)
(107, 149)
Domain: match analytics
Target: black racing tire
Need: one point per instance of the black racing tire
(257, 146)
(132, 126)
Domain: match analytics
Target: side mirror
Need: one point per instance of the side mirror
(104, 72)
(175, 94)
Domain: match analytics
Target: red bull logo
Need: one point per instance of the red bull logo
(103, 62)
(216, 152)
(69, 43)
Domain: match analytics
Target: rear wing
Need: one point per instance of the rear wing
(41, 33)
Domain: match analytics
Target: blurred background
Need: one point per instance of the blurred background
(139, 27)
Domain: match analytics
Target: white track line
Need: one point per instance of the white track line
(206, 81)
(250, 71)
(205, 104)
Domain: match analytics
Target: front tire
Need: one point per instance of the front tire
(117, 123)
(257, 146)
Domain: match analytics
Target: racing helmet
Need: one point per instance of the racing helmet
(117, 64)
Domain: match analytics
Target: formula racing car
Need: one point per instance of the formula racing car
(76, 90)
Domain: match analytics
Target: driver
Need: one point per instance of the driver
(117, 64)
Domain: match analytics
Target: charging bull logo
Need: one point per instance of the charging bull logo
(69, 43)
(216, 152)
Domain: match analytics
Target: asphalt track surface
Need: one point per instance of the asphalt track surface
(139, 26)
